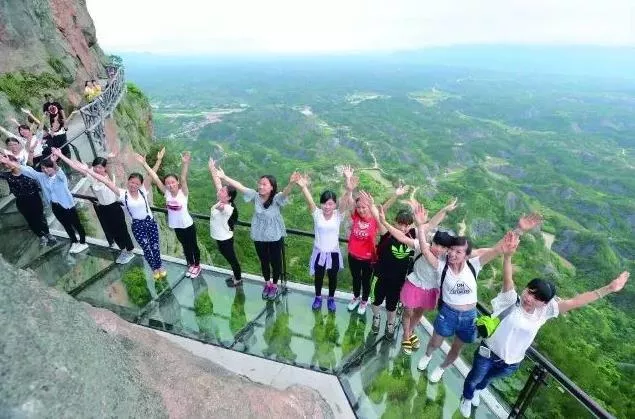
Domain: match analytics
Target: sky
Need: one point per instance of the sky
(337, 26)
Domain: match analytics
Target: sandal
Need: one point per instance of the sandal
(414, 340)
(406, 346)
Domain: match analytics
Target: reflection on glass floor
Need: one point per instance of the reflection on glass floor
(378, 379)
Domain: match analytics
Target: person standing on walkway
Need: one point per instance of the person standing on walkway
(144, 226)
(457, 306)
(521, 317)
(108, 208)
(54, 185)
(29, 202)
(176, 198)
(267, 226)
(326, 258)
(223, 217)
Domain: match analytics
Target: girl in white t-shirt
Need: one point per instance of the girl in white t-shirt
(326, 257)
(521, 318)
(144, 227)
(223, 217)
(176, 199)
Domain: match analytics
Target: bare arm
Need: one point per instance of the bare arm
(489, 254)
(6, 132)
(509, 247)
(395, 232)
(350, 183)
(152, 175)
(158, 161)
(400, 191)
(303, 183)
(440, 216)
(72, 163)
(365, 196)
(211, 165)
(287, 189)
(239, 186)
(588, 297)
(421, 216)
(185, 165)
(28, 113)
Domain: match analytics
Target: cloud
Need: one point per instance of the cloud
(291, 26)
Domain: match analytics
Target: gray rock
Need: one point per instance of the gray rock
(62, 358)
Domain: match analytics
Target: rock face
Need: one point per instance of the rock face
(55, 36)
(62, 358)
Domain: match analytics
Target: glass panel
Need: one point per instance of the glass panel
(23, 246)
(127, 289)
(66, 271)
(205, 308)
(387, 384)
(290, 332)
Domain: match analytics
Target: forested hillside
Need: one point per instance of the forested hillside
(504, 144)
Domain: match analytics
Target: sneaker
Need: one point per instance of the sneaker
(414, 339)
(274, 291)
(52, 241)
(163, 273)
(188, 273)
(43, 241)
(465, 407)
(361, 310)
(124, 257)
(390, 331)
(196, 271)
(423, 362)
(317, 303)
(476, 398)
(330, 304)
(73, 248)
(375, 326)
(265, 291)
(436, 374)
(406, 347)
(353, 304)
(81, 247)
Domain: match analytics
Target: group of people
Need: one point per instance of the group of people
(92, 89)
(415, 263)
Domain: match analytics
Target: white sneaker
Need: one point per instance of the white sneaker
(476, 398)
(73, 248)
(81, 247)
(124, 257)
(361, 310)
(353, 304)
(436, 374)
(423, 362)
(465, 407)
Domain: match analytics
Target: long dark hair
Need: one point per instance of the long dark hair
(100, 161)
(274, 189)
(231, 193)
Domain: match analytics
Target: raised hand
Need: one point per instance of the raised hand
(382, 213)
(111, 155)
(294, 177)
(529, 222)
(420, 213)
(220, 173)
(185, 157)
(303, 181)
(352, 183)
(451, 206)
(54, 157)
(160, 154)
(142, 159)
(402, 190)
(509, 244)
(618, 283)
(365, 196)
(56, 151)
(15, 121)
(347, 171)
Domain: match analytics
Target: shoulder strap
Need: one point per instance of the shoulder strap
(469, 265)
(509, 309)
(443, 274)
(148, 207)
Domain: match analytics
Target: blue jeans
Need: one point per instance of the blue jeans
(483, 371)
(450, 322)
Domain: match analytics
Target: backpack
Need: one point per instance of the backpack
(444, 273)
(487, 324)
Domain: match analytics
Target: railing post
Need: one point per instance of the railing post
(92, 145)
(536, 379)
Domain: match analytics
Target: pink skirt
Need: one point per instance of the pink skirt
(415, 297)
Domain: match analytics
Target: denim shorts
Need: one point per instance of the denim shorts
(451, 322)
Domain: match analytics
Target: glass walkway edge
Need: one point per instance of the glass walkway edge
(377, 378)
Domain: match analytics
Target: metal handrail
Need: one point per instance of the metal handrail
(532, 353)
